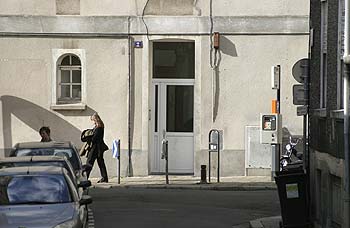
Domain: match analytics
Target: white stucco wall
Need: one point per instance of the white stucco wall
(254, 8)
(27, 7)
(163, 7)
(26, 71)
(249, 47)
(245, 84)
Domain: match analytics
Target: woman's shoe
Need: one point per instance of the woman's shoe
(103, 180)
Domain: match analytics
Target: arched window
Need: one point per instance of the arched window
(69, 85)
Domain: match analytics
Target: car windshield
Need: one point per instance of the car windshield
(48, 189)
(63, 152)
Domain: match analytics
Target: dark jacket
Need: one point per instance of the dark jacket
(98, 146)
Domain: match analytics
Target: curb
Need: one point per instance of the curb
(255, 224)
(190, 187)
(267, 222)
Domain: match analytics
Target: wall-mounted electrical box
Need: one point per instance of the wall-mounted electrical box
(271, 128)
(216, 40)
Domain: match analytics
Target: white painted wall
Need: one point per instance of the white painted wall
(27, 7)
(25, 69)
(135, 7)
(245, 84)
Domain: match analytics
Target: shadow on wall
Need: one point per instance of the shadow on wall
(35, 117)
(227, 47)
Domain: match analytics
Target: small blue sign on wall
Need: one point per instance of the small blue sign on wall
(138, 44)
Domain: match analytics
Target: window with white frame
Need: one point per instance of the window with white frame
(68, 81)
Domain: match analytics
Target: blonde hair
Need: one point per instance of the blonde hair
(97, 118)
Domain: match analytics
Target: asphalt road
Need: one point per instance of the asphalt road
(168, 208)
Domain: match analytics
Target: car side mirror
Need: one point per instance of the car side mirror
(85, 200)
(84, 184)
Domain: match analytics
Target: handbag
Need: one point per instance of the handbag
(86, 135)
(85, 148)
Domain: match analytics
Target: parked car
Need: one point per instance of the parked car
(41, 196)
(66, 149)
(60, 161)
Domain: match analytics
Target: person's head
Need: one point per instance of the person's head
(97, 120)
(45, 134)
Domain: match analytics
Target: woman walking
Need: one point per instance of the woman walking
(97, 148)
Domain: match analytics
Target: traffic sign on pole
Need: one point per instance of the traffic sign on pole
(300, 70)
(302, 110)
(299, 95)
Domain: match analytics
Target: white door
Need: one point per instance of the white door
(172, 118)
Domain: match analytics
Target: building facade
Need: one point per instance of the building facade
(327, 166)
(150, 69)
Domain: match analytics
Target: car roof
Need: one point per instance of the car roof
(30, 170)
(16, 159)
(33, 158)
(52, 144)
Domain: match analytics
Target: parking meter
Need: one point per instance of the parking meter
(214, 141)
(164, 154)
(214, 146)
(271, 129)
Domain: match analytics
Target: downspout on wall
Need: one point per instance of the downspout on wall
(346, 197)
(129, 168)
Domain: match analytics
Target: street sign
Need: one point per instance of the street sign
(138, 44)
(299, 95)
(300, 70)
(275, 76)
(302, 110)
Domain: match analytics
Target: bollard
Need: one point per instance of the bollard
(203, 174)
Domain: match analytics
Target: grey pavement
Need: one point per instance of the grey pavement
(235, 183)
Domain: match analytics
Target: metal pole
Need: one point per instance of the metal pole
(209, 167)
(218, 155)
(276, 148)
(275, 160)
(119, 161)
(346, 215)
(305, 75)
(166, 163)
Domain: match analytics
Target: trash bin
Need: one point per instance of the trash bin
(293, 197)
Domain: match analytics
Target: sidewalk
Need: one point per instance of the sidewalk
(236, 183)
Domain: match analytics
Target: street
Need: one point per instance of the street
(137, 207)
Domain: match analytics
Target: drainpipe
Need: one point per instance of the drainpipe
(346, 198)
(129, 171)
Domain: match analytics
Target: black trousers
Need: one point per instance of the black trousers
(92, 156)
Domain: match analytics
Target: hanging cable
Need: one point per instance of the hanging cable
(211, 32)
(143, 20)
(213, 64)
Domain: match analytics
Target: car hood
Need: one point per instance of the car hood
(38, 216)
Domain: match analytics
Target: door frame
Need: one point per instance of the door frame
(147, 89)
(155, 147)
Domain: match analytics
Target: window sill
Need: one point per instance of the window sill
(337, 114)
(73, 107)
(322, 112)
